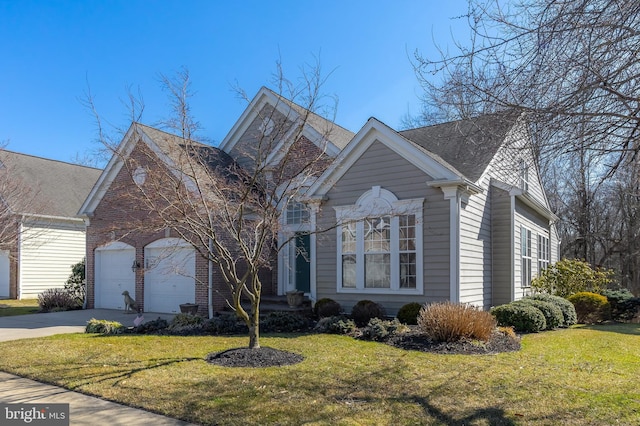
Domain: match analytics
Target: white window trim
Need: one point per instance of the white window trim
(526, 233)
(544, 252)
(286, 236)
(374, 203)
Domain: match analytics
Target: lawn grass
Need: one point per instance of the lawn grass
(10, 307)
(577, 376)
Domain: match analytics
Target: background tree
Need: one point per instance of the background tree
(573, 68)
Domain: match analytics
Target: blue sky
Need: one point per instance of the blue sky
(50, 51)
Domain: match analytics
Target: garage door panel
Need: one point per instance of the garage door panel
(169, 278)
(113, 276)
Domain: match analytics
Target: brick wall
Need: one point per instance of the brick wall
(122, 216)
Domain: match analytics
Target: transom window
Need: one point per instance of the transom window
(380, 253)
(297, 213)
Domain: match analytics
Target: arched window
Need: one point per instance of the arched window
(380, 244)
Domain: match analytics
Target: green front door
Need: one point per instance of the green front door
(303, 262)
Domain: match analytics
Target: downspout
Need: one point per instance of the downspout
(19, 266)
(512, 240)
(85, 302)
(210, 284)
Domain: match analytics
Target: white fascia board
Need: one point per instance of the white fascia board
(371, 132)
(109, 173)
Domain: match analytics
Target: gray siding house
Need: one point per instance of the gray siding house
(454, 211)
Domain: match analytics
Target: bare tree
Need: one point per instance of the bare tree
(572, 67)
(228, 208)
(565, 63)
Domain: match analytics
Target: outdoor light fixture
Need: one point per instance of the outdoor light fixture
(135, 266)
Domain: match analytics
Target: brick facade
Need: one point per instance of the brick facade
(122, 216)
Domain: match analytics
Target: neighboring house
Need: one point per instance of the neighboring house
(42, 236)
(447, 212)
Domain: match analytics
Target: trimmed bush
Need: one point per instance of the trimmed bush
(153, 326)
(56, 300)
(567, 308)
(522, 317)
(338, 324)
(182, 320)
(104, 327)
(451, 322)
(590, 307)
(408, 314)
(326, 307)
(283, 322)
(225, 324)
(365, 310)
(378, 329)
(552, 314)
(623, 305)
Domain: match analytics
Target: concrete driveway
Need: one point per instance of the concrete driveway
(40, 325)
(83, 409)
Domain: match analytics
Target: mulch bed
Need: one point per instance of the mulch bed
(412, 340)
(260, 357)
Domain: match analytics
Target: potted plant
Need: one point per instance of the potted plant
(189, 308)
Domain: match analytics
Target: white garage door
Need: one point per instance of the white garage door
(114, 275)
(169, 278)
(4, 273)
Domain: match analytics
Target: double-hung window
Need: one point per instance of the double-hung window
(525, 255)
(380, 244)
(543, 253)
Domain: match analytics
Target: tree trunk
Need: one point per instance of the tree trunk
(254, 337)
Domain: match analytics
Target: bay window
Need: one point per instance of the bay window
(380, 244)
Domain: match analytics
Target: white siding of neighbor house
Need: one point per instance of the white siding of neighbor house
(380, 166)
(475, 249)
(47, 253)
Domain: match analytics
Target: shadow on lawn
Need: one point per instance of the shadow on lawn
(622, 328)
(493, 415)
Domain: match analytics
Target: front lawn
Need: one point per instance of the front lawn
(577, 376)
(10, 307)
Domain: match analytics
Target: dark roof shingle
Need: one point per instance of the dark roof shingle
(468, 145)
(58, 188)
